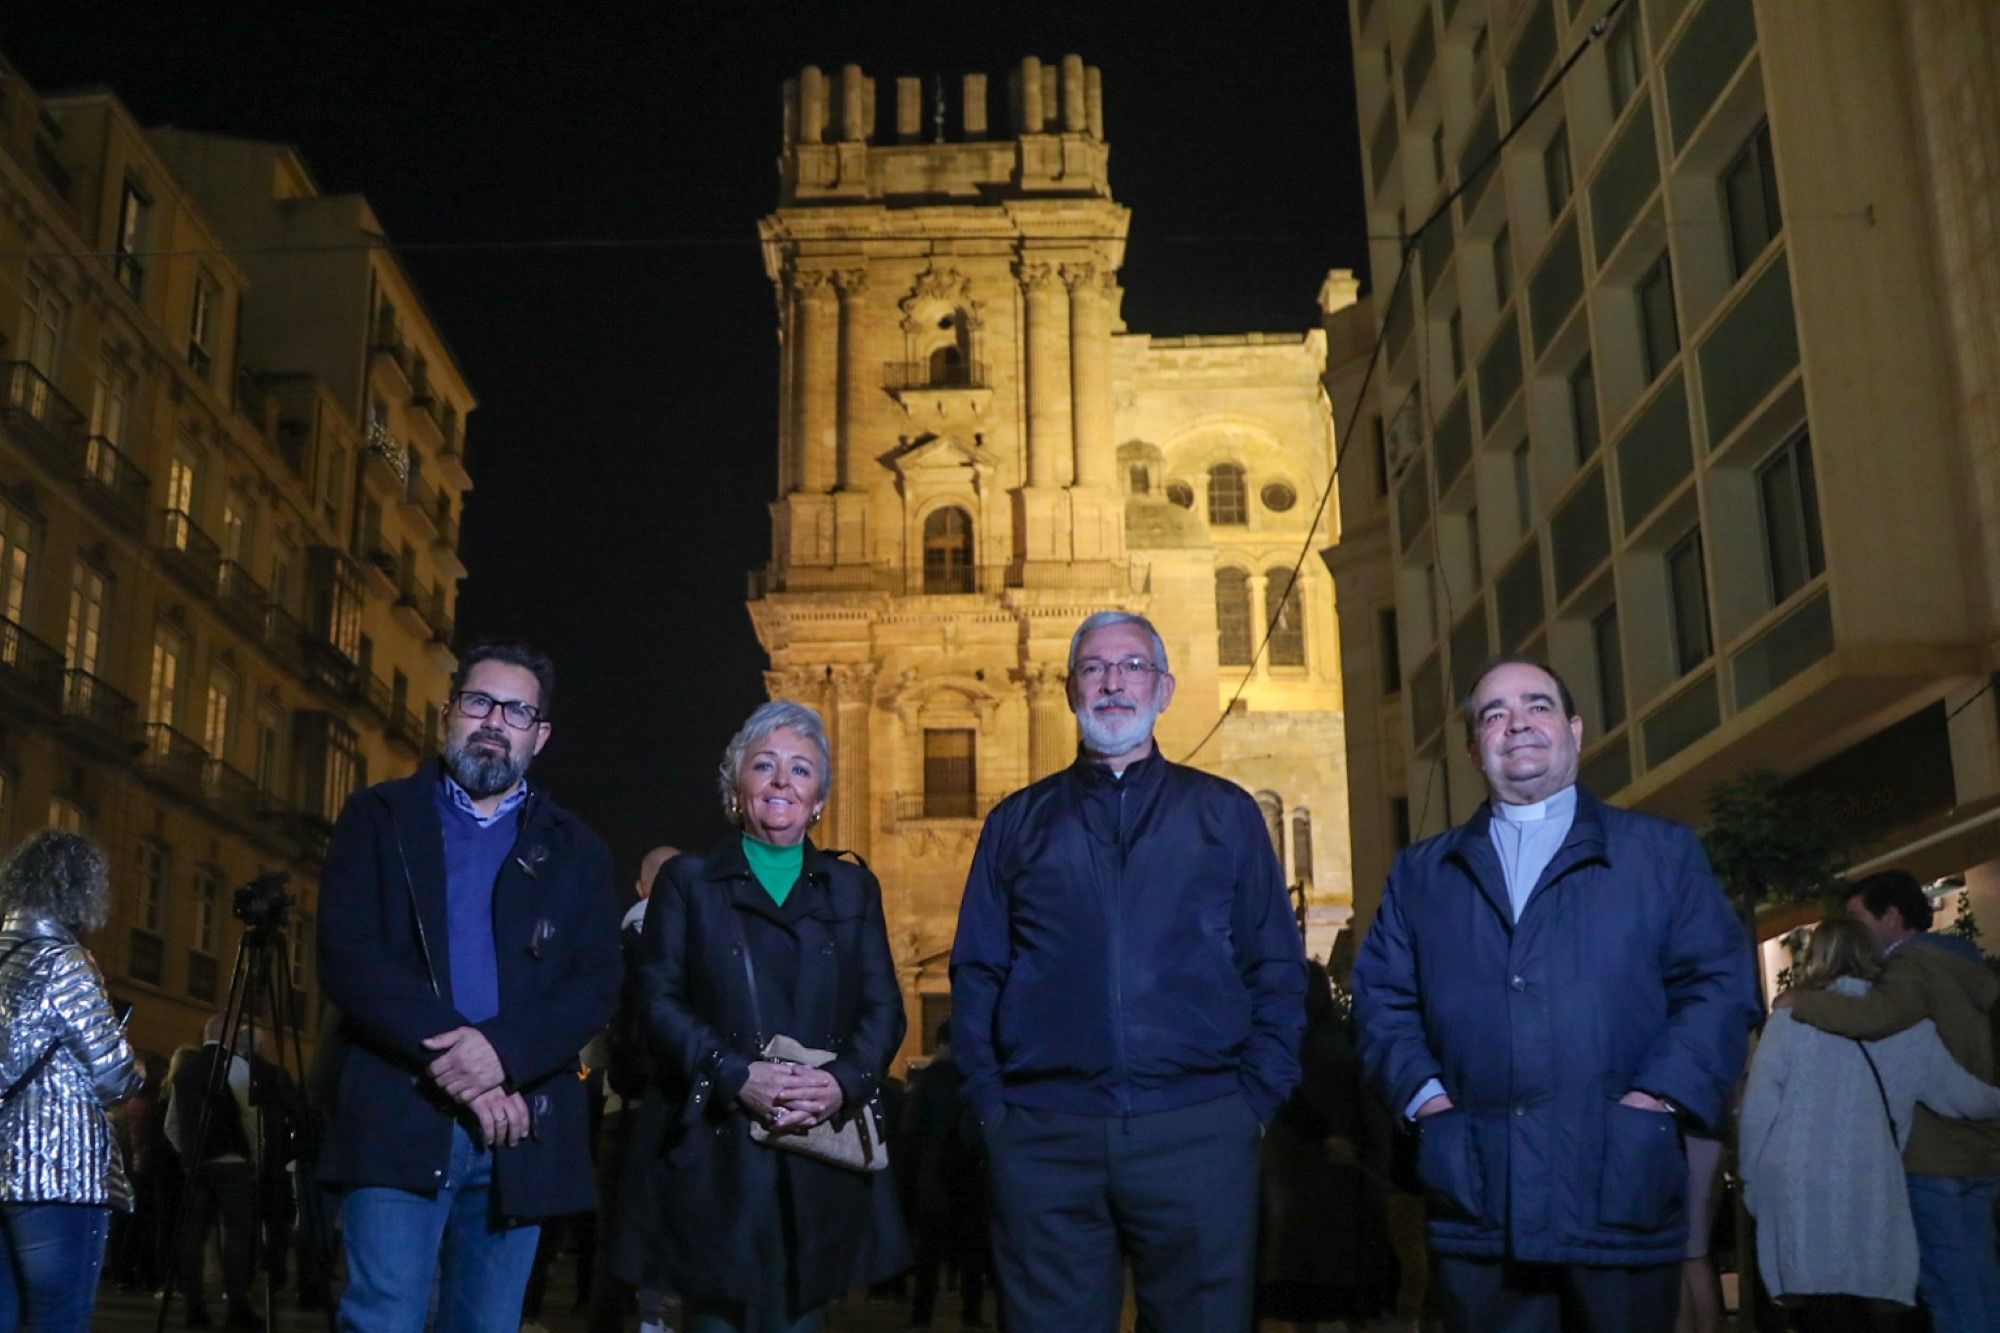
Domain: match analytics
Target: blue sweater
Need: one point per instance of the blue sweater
(473, 856)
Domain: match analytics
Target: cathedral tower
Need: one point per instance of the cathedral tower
(956, 472)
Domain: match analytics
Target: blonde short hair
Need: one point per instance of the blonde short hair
(1840, 947)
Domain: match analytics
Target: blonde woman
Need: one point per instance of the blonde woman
(1823, 1126)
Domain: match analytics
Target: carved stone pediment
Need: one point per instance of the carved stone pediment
(935, 453)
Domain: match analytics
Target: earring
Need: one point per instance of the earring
(815, 818)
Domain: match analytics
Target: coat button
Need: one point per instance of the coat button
(1519, 983)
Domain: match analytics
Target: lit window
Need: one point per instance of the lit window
(131, 274)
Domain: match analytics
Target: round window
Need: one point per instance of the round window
(1279, 496)
(1180, 493)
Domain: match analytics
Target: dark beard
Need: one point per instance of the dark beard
(484, 775)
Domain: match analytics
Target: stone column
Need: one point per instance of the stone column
(815, 387)
(850, 696)
(851, 284)
(1047, 336)
(1051, 726)
(1090, 372)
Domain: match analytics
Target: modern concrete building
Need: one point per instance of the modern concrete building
(1695, 391)
(975, 453)
(200, 656)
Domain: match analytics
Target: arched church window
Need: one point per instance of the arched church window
(1232, 617)
(948, 550)
(1227, 498)
(1302, 845)
(1273, 808)
(1288, 634)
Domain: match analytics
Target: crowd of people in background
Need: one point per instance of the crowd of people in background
(1517, 1113)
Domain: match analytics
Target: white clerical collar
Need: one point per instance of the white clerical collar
(1562, 803)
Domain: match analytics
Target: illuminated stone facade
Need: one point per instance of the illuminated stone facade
(975, 453)
(229, 489)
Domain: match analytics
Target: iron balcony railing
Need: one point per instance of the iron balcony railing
(898, 376)
(230, 789)
(91, 700)
(176, 755)
(374, 695)
(39, 413)
(29, 665)
(406, 728)
(284, 636)
(241, 597)
(114, 482)
(189, 551)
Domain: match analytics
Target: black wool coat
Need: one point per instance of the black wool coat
(384, 958)
(696, 1185)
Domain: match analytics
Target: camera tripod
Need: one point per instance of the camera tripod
(260, 982)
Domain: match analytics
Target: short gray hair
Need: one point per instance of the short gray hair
(1105, 620)
(756, 729)
(61, 876)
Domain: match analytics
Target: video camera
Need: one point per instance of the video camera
(263, 904)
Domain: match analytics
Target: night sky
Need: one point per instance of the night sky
(623, 451)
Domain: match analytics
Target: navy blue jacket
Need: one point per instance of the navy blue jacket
(1627, 970)
(383, 957)
(1126, 946)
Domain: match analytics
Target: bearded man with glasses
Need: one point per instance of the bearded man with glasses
(468, 938)
(1128, 995)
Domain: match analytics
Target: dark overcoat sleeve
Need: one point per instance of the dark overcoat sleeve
(386, 1002)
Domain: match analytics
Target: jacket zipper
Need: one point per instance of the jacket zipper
(1118, 968)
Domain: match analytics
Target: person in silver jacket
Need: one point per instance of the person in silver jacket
(63, 1060)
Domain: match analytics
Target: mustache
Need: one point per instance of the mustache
(1112, 701)
(489, 734)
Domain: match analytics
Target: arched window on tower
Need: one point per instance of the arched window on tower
(1302, 846)
(1228, 498)
(1288, 635)
(948, 550)
(1232, 617)
(1273, 807)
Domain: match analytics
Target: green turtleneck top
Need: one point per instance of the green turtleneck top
(776, 868)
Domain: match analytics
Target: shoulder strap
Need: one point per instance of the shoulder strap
(749, 971)
(1894, 1134)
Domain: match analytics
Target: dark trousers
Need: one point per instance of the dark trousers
(224, 1192)
(1172, 1192)
(1500, 1296)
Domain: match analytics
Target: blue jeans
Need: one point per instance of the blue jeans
(1959, 1277)
(50, 1254)
(398, 1241)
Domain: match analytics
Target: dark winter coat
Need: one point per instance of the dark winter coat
(383, 955)
(1125, 946)
(696, 1185)
(1627, 971)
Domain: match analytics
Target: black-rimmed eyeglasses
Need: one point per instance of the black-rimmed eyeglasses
(520, 715)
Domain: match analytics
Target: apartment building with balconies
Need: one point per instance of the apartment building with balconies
(194, 667)
(1694, 391)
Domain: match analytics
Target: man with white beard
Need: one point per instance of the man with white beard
(1128, 994)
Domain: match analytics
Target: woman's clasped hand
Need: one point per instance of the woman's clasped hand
(784, 1095)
